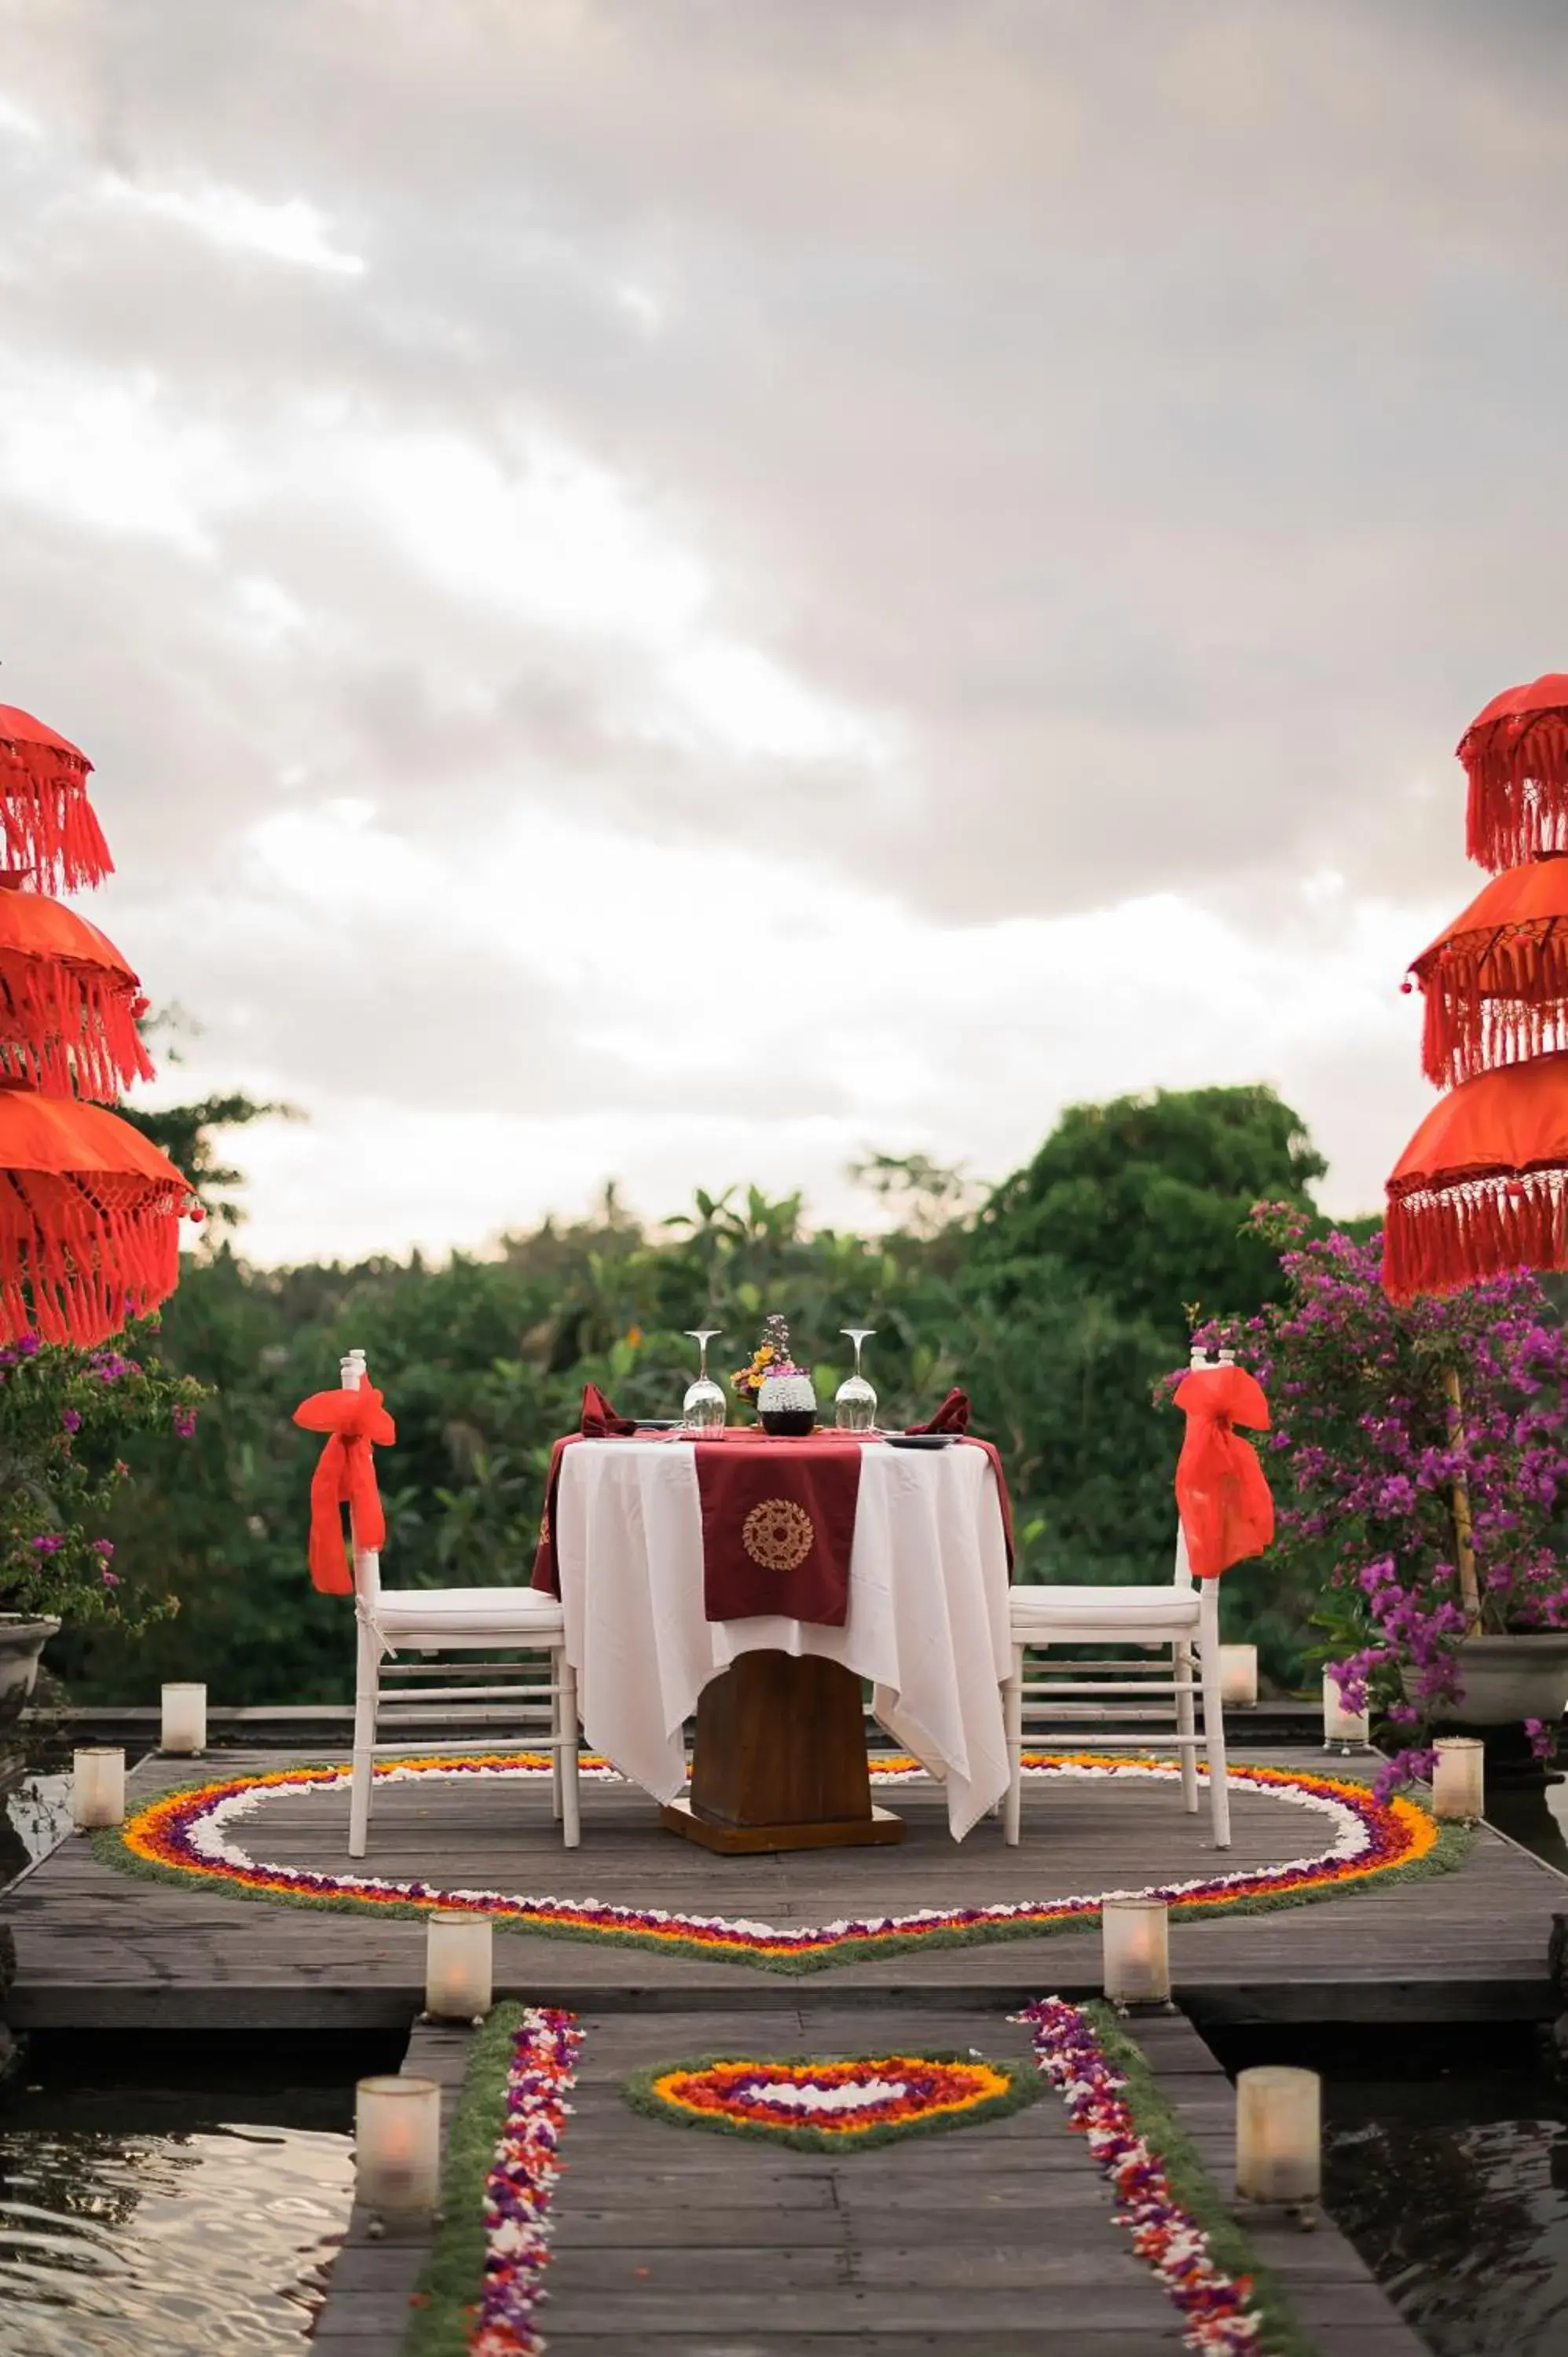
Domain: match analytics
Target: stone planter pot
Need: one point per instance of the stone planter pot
(1508, 1679)
(21, 1642)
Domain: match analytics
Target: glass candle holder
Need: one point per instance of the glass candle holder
(1279, 2135)
(1459, 1779)
(1340, 1724)
(97, 1787)
(458, 1965)
(184, 1729)
(1135, 1943)
(397, 2145)
(1239, 1674)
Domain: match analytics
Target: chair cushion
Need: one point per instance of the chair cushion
(509, 1615)
(1046, 1613)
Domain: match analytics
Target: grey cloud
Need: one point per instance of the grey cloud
(1151, 414)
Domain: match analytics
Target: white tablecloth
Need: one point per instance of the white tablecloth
(926, 1623)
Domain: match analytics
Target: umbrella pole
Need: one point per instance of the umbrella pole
(1463, 1530)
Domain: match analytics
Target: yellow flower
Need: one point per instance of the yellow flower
(634, 1335)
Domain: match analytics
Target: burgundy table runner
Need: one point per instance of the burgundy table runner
(778, 1527)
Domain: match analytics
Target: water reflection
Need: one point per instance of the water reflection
(1457, 2198)
(1536, 1816)
(33, 1814)
(213, 2241)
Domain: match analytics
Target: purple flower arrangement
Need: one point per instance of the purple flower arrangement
(64, 1414)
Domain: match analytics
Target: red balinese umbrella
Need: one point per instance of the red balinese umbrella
(1495, 980)
(90, 1213)
(90, 1209)
(1482, 1187)
(68, 1002)
(47, 821)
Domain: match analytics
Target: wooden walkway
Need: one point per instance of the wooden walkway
(97, 1948)
(995, 2243)
(989, 2242)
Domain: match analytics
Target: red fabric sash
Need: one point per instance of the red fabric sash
(344, 1475)
(778, 1527)
(1222, 1496)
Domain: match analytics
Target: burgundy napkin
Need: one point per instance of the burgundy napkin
(951, 1417)
(600, 1420)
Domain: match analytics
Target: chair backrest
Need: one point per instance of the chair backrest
(367, 1562)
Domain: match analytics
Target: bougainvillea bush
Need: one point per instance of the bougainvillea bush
(1366, 1451)
(66, 1416)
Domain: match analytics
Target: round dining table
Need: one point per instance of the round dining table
(780, 1757)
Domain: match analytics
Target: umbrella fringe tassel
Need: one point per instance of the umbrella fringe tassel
(1492, 1000)
(1518, 803)
(1439, 1241)
(69, 1030)
(79, 1255)
(47, 820)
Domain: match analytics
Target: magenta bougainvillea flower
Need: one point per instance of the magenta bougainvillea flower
(1368, 1446)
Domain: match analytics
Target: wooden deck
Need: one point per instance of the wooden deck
(99, 1948)
(998, 2240)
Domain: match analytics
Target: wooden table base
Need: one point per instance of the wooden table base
(780, 1762)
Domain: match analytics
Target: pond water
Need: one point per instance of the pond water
(1445, 2162)
(34, 1814)
(1536, 1816)
(194, 2215)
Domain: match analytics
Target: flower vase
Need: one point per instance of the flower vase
(786, 1405)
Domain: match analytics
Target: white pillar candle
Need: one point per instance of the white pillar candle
(1340, 1724)
(1459, 1779)
(1279, 2135)
(1135, 1941)
(97, 1787)
(458, 1965)
(397, 2145)
(1237, 1674)
(184, 1731)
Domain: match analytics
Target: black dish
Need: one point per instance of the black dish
(920, 1439)
(658, 1423)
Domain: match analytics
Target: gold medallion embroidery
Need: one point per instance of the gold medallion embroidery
(777, 1534)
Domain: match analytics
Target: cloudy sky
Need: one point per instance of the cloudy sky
(680, 588)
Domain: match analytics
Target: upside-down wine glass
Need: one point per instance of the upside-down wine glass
(704, 1407)
(855, 1401)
